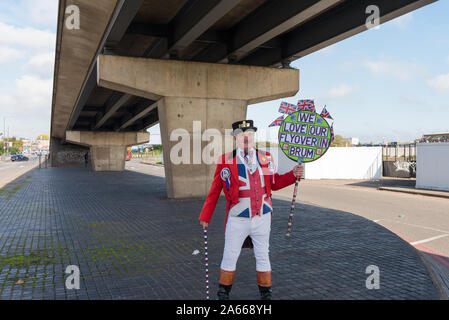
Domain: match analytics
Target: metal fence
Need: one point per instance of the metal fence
(399, 161)
(404, 152)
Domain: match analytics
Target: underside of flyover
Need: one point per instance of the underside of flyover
(136, 63)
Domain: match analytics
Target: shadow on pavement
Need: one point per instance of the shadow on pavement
(386, 182)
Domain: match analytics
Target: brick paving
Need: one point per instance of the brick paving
(130, 242)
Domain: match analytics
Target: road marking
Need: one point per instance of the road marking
(428, 239)
(418, 226)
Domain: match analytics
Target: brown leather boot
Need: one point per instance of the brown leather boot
(264, 282)
(225, 284)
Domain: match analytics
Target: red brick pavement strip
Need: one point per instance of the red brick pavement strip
(131, 242)
(436, 263)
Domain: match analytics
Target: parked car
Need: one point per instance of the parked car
(19, 157)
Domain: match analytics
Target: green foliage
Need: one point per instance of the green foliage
(17, 145)
(22, 261)
(157, 147)
(14, 150)
(339, 141)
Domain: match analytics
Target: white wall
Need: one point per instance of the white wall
(338, 163)
(432, 166)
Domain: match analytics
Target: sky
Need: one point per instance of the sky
(385, 84)
(27, 51)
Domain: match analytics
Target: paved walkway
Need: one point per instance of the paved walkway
(130, 242)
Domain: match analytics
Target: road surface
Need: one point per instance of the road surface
(9, 170)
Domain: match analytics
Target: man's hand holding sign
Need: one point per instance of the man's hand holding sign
(298, 170)
(304, 136)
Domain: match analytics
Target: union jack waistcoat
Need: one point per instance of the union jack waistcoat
(228, 179)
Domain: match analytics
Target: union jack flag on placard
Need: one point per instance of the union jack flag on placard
(332, 132)
(277, 122)
(326, 114)
(287, 108)
(306, 105)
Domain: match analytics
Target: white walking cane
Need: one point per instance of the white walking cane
(207, 263)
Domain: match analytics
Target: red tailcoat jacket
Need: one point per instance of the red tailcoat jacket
(273, 181)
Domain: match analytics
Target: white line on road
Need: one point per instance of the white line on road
(429, 239)
(416, 225)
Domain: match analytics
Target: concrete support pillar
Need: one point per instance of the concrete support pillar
(107, 149)
(193, 97)
(66, 154)
(194, 116)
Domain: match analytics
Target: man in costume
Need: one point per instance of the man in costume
(247, 177)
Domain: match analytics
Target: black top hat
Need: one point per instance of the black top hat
(243, 126)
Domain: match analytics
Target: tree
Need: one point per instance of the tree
(17, 144)
(338, 141)
(43, 137)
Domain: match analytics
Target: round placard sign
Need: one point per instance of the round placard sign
(304, 136)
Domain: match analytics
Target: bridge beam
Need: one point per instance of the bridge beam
(192, 98)
(107, 149)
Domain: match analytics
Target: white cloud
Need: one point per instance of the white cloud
(440, 83)
(387, 68)
(26, 37)
(27, 102)
(401, 70)
(341, 91)
(8, 55)
(38, 14)
(27, 106)
(43, 12)
(41, 64)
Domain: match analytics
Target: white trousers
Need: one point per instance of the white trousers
(237, 229)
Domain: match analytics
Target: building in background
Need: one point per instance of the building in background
(435, 137)
(355, 141)
(35, 146)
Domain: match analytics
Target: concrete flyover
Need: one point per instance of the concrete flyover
(136, 63)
